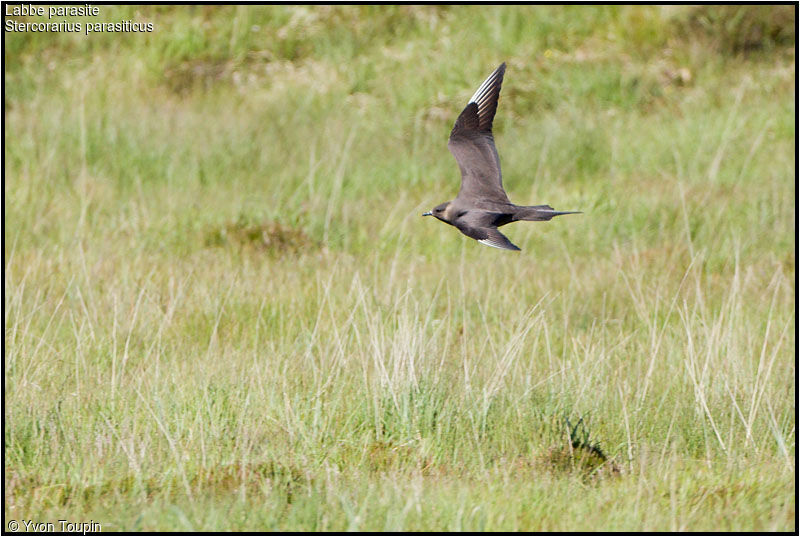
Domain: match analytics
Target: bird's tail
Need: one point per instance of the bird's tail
(539, 213)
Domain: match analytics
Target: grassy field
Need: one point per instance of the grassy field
(224, 312)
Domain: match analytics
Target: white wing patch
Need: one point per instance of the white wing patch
(494, 243)
(484, 88)
(487, 95)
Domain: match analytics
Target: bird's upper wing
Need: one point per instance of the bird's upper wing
(472, 144)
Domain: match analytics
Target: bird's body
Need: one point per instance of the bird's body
(482, 204)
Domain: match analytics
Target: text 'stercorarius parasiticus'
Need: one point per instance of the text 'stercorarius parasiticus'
(482, 205)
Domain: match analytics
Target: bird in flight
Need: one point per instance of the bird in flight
(482, 204)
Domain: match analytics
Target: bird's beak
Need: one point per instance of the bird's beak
(427, 214)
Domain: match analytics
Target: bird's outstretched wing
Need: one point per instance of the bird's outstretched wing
(472, 144)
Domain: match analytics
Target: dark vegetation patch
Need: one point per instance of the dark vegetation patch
(736, 29)
(195, 74)
(269, 236)
(382, 456)
(579, 454)
(277, 477)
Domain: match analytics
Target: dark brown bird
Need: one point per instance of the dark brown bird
(482, 205)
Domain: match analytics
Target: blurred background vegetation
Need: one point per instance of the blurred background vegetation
(223, 311)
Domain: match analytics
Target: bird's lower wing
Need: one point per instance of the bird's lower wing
(495, 239)
(490, 236)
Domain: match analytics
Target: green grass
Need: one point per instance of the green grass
(223, 311)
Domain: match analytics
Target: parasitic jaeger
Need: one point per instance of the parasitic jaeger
(482, 204)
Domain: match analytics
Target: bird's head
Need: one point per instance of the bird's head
(440, 211)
